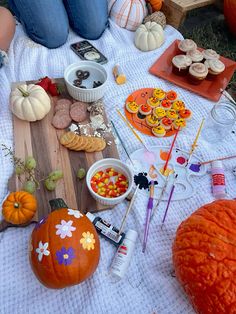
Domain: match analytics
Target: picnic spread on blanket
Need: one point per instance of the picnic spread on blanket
(118, 173)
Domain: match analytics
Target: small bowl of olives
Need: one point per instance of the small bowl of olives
(86, 80)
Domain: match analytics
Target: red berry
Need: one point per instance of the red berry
(44, 83)
(53, 89)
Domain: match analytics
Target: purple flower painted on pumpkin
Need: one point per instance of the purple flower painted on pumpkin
(40, 223)
(65, 256)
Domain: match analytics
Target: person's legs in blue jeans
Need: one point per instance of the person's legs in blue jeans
(88, 18)
(45, 21)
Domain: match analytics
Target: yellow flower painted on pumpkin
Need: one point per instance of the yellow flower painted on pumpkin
(87, 241)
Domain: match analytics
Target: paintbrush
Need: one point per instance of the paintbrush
(148, 216)
(132, 129)
(228, 96)
(169, 200)
(121, 141)
(222, 158)
(170, 151)
(128, 210)
(194, 145)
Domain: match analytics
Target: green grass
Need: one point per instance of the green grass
(3, 3)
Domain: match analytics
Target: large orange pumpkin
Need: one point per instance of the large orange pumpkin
(64, 248)
(204, 257)
(155, 4)
(230, 14)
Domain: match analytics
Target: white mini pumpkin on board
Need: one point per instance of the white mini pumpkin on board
(30, 102)
(128, 14)
(149, 36)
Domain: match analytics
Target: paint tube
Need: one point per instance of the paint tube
(106, 230)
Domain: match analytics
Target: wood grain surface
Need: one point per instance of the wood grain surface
(40, 140)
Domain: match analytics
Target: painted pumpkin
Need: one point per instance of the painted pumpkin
(65, 248)
(155, 4)
(19, 207)
(30, 102)
(128, 14)
(230, 14)
(149, 36)
(204, 257)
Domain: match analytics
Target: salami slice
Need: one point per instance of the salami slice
(63, 104)
(78, 111)
(61, 119)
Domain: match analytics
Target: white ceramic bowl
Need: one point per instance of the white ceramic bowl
(118, 166)
(97, 73)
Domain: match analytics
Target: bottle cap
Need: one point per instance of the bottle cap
(90, 216)
(217, 164)
(131, 235)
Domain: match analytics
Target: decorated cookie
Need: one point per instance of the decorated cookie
(178, 105)
(159, 112)
(166, 123)
(185, 114)
(159, 131)
(159, 93)
(132, 107)
(171, 95)
(179, 123)
(152, 120)
(145, 109)
(172, 114)
(166, 104)
(153, 102)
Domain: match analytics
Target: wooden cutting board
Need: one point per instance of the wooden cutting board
(40, 140)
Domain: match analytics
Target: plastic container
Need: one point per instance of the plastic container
(123, 255)
(97, 73)
(218, 179)
(119, 166)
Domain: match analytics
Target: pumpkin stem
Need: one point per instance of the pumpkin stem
(57, 203)
(23, 92)
(16, 205)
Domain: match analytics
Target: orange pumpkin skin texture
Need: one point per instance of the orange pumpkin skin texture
(19, 207)
(155, 4)
(204, 257)
(230, 14)
(64, 261)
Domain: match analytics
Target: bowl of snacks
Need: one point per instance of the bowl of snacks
(86, 80)
(109, 181)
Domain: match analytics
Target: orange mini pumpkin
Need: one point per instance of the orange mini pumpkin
(64, 248)
(19, 207)
(204, 257)
(155, 4)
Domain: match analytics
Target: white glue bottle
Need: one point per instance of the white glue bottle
(218, 179)
(123, 255)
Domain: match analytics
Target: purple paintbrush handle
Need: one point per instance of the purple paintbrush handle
(147, 222)
(150, 203)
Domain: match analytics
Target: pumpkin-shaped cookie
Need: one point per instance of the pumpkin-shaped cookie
(204, 257)
(19, 207)
(64, 248)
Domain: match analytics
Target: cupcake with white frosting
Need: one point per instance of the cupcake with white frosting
(197, 72)
(210, 54)
(180, 64)
(187, 45)
(215, 67)
(195, 55)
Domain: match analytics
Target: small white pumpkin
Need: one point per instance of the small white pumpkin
(149, 36)
(30, 102)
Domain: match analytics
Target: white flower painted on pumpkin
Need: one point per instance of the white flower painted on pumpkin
(65, 229)
(75, 213)
(42, 250)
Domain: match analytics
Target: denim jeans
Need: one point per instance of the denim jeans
(47, 21)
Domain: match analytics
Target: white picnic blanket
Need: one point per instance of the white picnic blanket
(148, 286)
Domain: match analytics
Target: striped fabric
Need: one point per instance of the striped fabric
(128, 14)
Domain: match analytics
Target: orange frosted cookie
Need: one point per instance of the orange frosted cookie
(166, 123)
(159, 112)
(132, 107)
(178, 105)
(153, 102)
(159, 93)
(171, 95)
(166, 104)
(159, 131)
(185, 114)
(179, 123)
(145, 109)
(152, 120)
(172, 114)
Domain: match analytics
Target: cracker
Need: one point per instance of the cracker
(67, 138)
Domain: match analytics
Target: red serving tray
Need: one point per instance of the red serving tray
(209, 89)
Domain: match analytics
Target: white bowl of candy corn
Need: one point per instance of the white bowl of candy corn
(109, 181)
